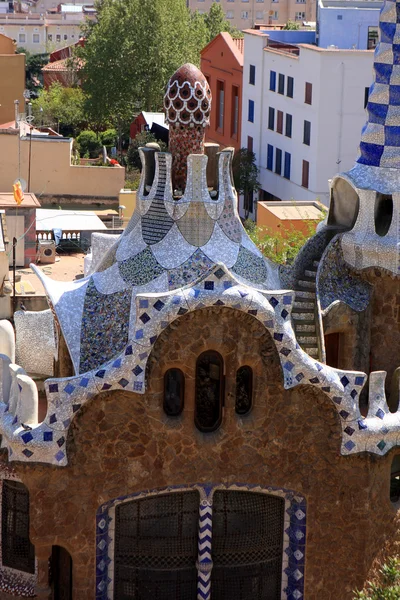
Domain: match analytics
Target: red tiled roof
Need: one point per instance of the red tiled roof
(10, 125)
(239, 43)
(61, 66)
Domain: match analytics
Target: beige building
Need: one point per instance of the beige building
(38, 33)
(44, 162)
(245, 14)
(12, 77)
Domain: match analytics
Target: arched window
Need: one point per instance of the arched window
(17, 550)
(395, 479)
(244, 390)
(174, 392)
(209, 391)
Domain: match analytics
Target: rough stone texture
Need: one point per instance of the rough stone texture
(121, 443)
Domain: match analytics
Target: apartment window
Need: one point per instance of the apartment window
(259, 1)
(286, 168)
(259, 15)
(252, 75)
(272, 81)
(372, 37)
(58, 37)
(290, 86)
(274, 16)
(300, 1)
(245, 14)
(288, 126)
(270, 157)
(281, 84)
(274, 1)
(279, 121)
(235, 111)
(65, 36)
(278, 161)
(249, 143)
(220, 104)
(17, 550)
(308, 93)
(307, 133)
(271, 118)
(299, 16)
(50, 37)
(366, 96)
(340, 17)
(305, 173)
(251, 111)
(229, 14)
(22, 38)
(36, 38)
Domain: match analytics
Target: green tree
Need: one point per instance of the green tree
(216, 22)
(388, 585)
(245, 175)
(132, 157)
(89, 143)
(33, 70)
(59, 107)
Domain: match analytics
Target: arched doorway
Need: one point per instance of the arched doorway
(61, 573)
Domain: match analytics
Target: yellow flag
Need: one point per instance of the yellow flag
(18, 193)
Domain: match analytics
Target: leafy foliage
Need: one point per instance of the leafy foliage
(33, 70)
(292, 25)
(245, 173)
(109, 137)
(388, 586)
(133, 49)
(133, 158)
(216, 22)
(59, 107)
(89, 144)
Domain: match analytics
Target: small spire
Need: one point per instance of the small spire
(380, 138)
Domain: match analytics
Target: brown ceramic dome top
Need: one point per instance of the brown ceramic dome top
(187, 99)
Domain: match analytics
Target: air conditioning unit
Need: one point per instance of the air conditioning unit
(47, 251)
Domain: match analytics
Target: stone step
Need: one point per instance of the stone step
(313, 351)
(304, 294)
(307, 340)
(311, 274)
(307, 284)
(303, 305)
(303, 316)
(306, 327)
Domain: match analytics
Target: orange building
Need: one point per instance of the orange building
(222, 64)
(287, 216)
(12, 78)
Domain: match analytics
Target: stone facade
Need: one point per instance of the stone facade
(291, 439)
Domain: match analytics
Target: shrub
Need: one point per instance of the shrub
(388, 586)
(132, 157)
(89, 143)
(109, 137)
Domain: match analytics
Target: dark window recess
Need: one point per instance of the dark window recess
(307, 133)
(248, 202)
(340, 17)
(251, 111)
(288, 126)
(286, 169)
(18, 552)
(279, 121)
(271, 118)
(383, 213)
(252, 75)
(305, 173)
(332, 345)
(270, 157)
(61, 573)
(156, 547)
(395, 479)
(308, 93)
(249, 143)
(366, 96)
(278, 161)
(174, 392)
(247, 546)
(244, 390)
(281, 84)
(209, 391)
(290, 87)
(272, 81)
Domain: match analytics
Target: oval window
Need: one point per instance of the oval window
(383, 213)
(174, 392)
(209, 391)
(395, 479)
(244, 390)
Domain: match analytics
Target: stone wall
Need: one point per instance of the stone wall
(123, 443)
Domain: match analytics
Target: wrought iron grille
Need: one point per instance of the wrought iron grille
(244, 390)
(174, 392)
(247, 546)
(17, 550)
(156, 547)
(209, 391)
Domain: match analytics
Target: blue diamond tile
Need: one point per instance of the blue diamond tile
(182, 311)
(278, 336)
(139, 334)
(84, 382)
(69, 388)
(287, 300)
(344, 414)
(61, 441)
(299, 376)
(144, 318)
(60, 455)
(137, 385)
(288, 365)
(48, 436)
(273, 301)
(27, 437)
(123, 382)
(143, 303)
(337, 399)
(159, 305)
(349, 430)
(101, 373)
(345, 381)
(53, 418)
(314, 380)
(117, 363)
(285, 351)
(219, 273)
(284, 313)
(76, 407)
(208, 285)
(349, 445)
(380, 414)
(353, 394)
(106, 386)
(53, 387)
(381, 445)
(362, 424)
(359, 380)
(128, 350)
(27, 453)
(137, 370)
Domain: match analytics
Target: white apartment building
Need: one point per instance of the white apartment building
(348, 23)
(245, 13)
(302, 114)
(41, 33)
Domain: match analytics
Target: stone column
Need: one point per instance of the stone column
(42, 588)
